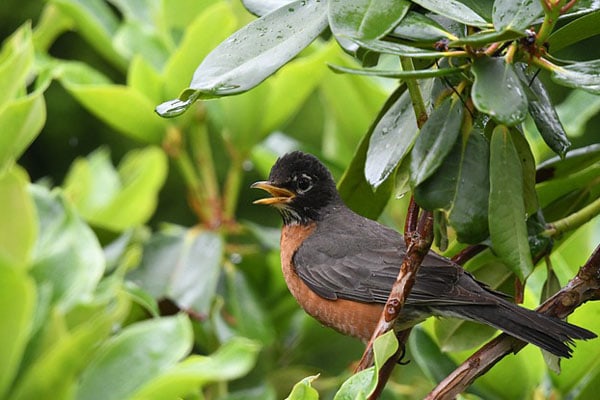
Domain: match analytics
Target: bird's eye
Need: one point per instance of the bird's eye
(303, 183)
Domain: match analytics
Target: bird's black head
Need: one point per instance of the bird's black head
(300, 186)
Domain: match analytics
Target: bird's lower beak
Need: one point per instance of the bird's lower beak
(280, 195)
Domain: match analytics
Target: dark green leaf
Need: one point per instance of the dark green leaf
(356, 191)
(575, 161)
(418, 27)
(392, 138)
(398, 49)
(423, 350)
(136, 356)
(575, 31)
(435, 141)
(453, 9)
(67, 255)
(515, 15)
(18, 216)
(469, 212)
(497, 91)
(544, 114)
(507, 217)
(528, 168)
(365, 19)
(405, 75)
(182, 265)
(581, 75)
(485, 37)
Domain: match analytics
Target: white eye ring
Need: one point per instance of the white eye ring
(303, 183)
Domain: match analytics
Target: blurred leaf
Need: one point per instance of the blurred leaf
(16, 60)
(457, 335)
(508, 231)
(180, 14)
(262, 7)
(97, 23)
(17, 302)
(203, 34)
(515, 15)
(435, 141)
(303, 390)
(232, 360)
(497, 91)
(22, 120)
(365, 19)
(418, 27)
(358, 386)
(392, 138)
(182, 265)
(575, 161)
(67, 254)
(577, 110)
(575, 31)
(581, 75)
(143, 298)
(145, 12)
(528, 170)
(132, 39)
(453, 9)
(19, 223)
(122, 107)
(54, 374)
(136, 356)
(543, 113)
(253, 53)
(469, 212)
(142, 77)
(117, 200)
(423, 349)
(561, 197)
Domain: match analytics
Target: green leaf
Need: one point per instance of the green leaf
(392, 138)
(253, 53)
(303, 390)
(454, 10)
(418, 27)
(581, 75)
(497, 91)
(96, 22)
(67, 255)
(17, 302)
(17, 213)
(469, 212)
(486, 37)
(365, 19)
(232, 360)
(16, 60)
(515, 15)
(142, 77)
(117, 200)
(435, 141)
(457, 335)
(122, 107)
(135, 356)
(528, 169)
(55, 373)
(544, 114)
(575, 31)
(575, 161)
(405, 75)
(384, 347)
(22, 120)
(148, 13)
(398, 49)
(507, 217)
(423, 350)
(576, 111)
(212, 26)
(132, 39)
(358, 386)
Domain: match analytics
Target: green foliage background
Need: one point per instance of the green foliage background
(133, 264)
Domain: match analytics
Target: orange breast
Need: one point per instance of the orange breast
(347, 317)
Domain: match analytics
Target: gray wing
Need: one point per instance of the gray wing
(364, 267)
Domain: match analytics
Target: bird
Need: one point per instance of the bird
(340, 267)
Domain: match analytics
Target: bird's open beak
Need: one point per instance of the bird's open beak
(280, 195)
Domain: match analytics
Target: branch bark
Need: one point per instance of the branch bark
(585, 286)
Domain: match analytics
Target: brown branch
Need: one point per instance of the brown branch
(419, 235)
(583, 287)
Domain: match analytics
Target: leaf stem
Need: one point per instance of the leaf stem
(552, 11)
(205, 163)
(231, 189)
(574, 220)
(415, 93)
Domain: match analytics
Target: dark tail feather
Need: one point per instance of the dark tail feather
(549, 333)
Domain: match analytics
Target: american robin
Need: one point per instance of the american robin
(341, 266)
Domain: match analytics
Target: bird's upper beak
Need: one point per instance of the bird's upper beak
(280, 195)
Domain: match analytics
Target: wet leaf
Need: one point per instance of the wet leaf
(515, 15)
(435, 141)
(581, 75)
(528, 168)
(365, 19)
(508, 230)
(575, 31)
(418, 27)
(453, 9)
(497, 91)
